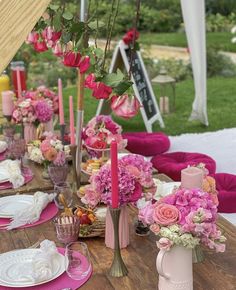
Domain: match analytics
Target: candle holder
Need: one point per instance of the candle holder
(73, 150)
(118, 268)
(62, 131)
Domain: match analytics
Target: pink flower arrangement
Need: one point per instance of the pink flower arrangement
(50, 150)
(100, 131)
(32, 111)
(186, 217)
(131, 187)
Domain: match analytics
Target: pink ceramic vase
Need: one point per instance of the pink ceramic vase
(123, 229)
(48, 127)
(29, 132)
(175, 269)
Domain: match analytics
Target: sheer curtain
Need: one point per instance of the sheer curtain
(194, 19)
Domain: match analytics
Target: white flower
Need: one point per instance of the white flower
(53, 143)
(174, 228)
(67, 150)
(25, 104)
(59, 147)
(36, 155)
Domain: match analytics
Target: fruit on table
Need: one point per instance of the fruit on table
(87, 217)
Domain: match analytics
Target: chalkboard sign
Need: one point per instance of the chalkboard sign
(141, 85)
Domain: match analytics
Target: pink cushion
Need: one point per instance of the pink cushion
(171, 164)
(147, 144)
(226, 186)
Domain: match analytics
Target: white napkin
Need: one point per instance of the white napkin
(41, 267)
(3, 146)
(10, 171)
(164, 188)
(31, 214)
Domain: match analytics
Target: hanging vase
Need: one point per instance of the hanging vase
(29, 132)
(175, 269)
(123, 229)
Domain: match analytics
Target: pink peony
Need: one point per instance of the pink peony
(45, 145)
(101, 91)
(166, 215)
(124, 106)
(60, 159)
(164, 244)
(84, 64)
(90, 82)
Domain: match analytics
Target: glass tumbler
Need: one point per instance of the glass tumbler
(67, 229)
(78, 263)
(64, 195)
(58, 174)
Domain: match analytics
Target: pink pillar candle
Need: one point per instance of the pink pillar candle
(61, 109)
(72, 125)
(19, 89)
(114, 175)
(191, 177)
(7, 103)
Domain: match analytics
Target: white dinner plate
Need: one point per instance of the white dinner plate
(10, 204)
(15, 265)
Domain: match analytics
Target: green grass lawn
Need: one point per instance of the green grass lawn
(221, 108)
(219, 40)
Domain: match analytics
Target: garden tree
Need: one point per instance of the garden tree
(224, 7)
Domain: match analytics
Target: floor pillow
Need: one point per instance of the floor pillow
(147, 144)
(226, 187)
(171, 164)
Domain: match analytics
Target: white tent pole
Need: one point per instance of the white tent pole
(194, 19)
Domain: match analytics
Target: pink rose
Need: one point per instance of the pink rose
(164, 244)
(166, 214)
(90, 132)
(155, 229)
(45, 145)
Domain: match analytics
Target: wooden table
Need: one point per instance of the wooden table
(217, 272)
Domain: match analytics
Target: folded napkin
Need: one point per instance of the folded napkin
(41, 267)
(10, 171)
(31, 214)
(165, 188)
(3, 146)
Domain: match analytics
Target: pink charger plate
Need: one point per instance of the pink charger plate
(47, 214)
(63, 281)
(27, 174)
(3, 156)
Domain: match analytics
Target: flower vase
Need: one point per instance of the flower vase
(45, 173)
(123, 229)
(29, 132)
(175, 269)
(49, 127)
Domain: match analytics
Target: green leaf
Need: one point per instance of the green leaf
(66, 37)
(94, 25)
(57, 22)
(122, 87)
(67, 15)
(54, 7)
(77, 27)
(113, 79)
(98, 52)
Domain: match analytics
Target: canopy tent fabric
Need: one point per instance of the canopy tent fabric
(194, 19)
(17, 19)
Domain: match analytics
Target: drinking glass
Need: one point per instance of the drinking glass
(67, 229)
(58, 174)
(17, 149)
(78, 263)
(64, 195)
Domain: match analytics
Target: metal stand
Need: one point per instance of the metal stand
(62, 131)
(118, 268)
(79, 128)
(73, 149)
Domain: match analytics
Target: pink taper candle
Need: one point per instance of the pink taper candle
(114, 175)
(72, 125)
(191, 177)
(7, 103)
(19, 90)
(61, 109)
